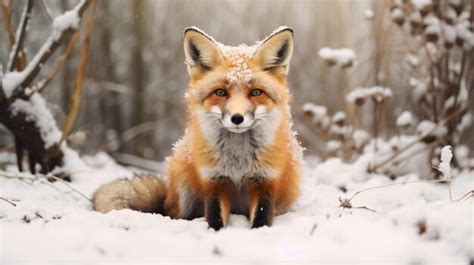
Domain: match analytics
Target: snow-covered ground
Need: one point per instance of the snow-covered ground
(413, 223)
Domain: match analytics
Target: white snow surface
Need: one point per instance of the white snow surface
(62, 228)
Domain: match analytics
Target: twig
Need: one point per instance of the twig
(364, 208)
(39, 215)
(46, 51)
(17, 52)
(313, 229)
(394, 184)
(69, 186)
(76, 97)
(347, 203)
(467, 195)
(7, 200)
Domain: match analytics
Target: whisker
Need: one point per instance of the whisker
(214, 113)
(261, 115)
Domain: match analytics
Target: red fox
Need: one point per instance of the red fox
(239, 153)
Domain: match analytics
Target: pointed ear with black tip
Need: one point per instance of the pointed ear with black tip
(201, 51)
(274, 53)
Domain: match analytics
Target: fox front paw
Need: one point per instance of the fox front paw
(213, 214)
(263, 214)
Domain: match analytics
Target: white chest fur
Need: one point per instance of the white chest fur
(237, 154)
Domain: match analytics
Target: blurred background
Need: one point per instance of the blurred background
(133, 99)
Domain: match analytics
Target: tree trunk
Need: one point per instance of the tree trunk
(28, 138)
(138, 115)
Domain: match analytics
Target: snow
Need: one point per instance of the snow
(449, 33)
(421, 4)
(36, 110)
(413, 60)
(51, 223)
(397, 13)
(433, 25)
(11, 80)
(333, 145)
(360, 138)
(444, 166)
(239, 72)
(341, 57)
(339, 117)
(426, 128)
(317, 111)
(405, 119)
(369, 14)
(69, 20)
(377, 93)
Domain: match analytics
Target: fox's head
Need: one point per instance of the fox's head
(238, 88)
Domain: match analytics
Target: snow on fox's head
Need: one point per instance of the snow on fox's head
(238, 85)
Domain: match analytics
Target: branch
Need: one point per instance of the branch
(41, 85)
(17, 52)
(76, 97)
(57, 37)
(6, 11)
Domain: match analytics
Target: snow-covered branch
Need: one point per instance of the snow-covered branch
(15, 83)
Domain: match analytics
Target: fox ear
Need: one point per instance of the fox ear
(274, 53)
(201, 51)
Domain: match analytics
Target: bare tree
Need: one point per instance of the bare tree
(22, 109)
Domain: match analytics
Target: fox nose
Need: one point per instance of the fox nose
(237, 119)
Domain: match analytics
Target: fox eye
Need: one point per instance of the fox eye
(256, 92)
(220, 92)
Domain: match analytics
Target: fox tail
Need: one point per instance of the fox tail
(142, 193)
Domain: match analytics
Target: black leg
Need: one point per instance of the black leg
(261, 202)
(213, 214)
(217, 206)
(263, 213)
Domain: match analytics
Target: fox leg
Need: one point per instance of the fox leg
(217, 203)
(262, 205)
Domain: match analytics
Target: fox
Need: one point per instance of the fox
(239, 153)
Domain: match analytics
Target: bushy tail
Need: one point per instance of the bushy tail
(142, 193)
